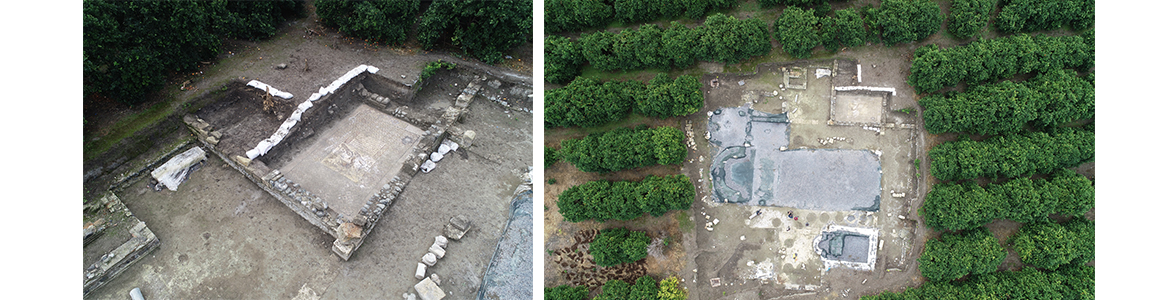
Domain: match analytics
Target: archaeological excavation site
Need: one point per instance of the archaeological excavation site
(430, 170)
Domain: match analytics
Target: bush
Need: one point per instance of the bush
(603, 200)
(670, 289)
(1050, 99)
(1012, 155)
(968, 17)
(932, 68)
(1049, 246)
(551, 156)
(624, 148)
(951, 206)
(952, 256)
(130, 46)
(630, 11)
(905, 21)
(566, 292)
(845, 29)
(483, 29)
(613, 289)
(433, 67)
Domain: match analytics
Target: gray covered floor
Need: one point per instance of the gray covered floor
(754, 166)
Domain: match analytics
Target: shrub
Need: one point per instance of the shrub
(933, 68)
(551, 156)
(566, 292)
(562, 59)
(433, 67)
(798, 31)
(670, 289)
(1035, 15)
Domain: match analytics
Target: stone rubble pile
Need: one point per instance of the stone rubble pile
(428, 287)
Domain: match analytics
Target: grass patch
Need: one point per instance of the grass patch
(684, 221)
(127, 126)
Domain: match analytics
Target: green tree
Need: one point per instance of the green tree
(845, 29)
(1035, 15)
(617, 246)
(798, 31)
(566, 292)
(562, 59)
(905, 21)
(573, 15)
(952, 256)
(679, 45)
(1049, 246)
(968, 17)
(726, 39)
(380, 21)
(483, 29)
(624, 200)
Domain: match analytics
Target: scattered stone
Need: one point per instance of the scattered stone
(457, 227)
(420, 272)
(429, 290)
(175, 171)
(436, 157)
(435, 278)
(427, 166)
(495, 84)
(441, 241)
(437, 251)
(281, 66)
(409, 296)
(429, 259)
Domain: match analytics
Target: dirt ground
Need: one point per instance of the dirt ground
(733, 250)
(223, 237)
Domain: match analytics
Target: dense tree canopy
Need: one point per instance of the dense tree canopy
(624, 148)
(562, 59)
(670, 289)
(951, 256)
(798, 31)
(721, 38)
(573, 15)
(618, 246)
(130, 46)
(586, 103)
(1076, 283)
(932, 68)
(483, 29)
(1012, 155)
(551, 156)
(845, 29)
(1050, 99)
(603, 200)
(905, 21)
(968, 17)
(1035, 15)
(1047, 245)
(384, 21)
(962, 206)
